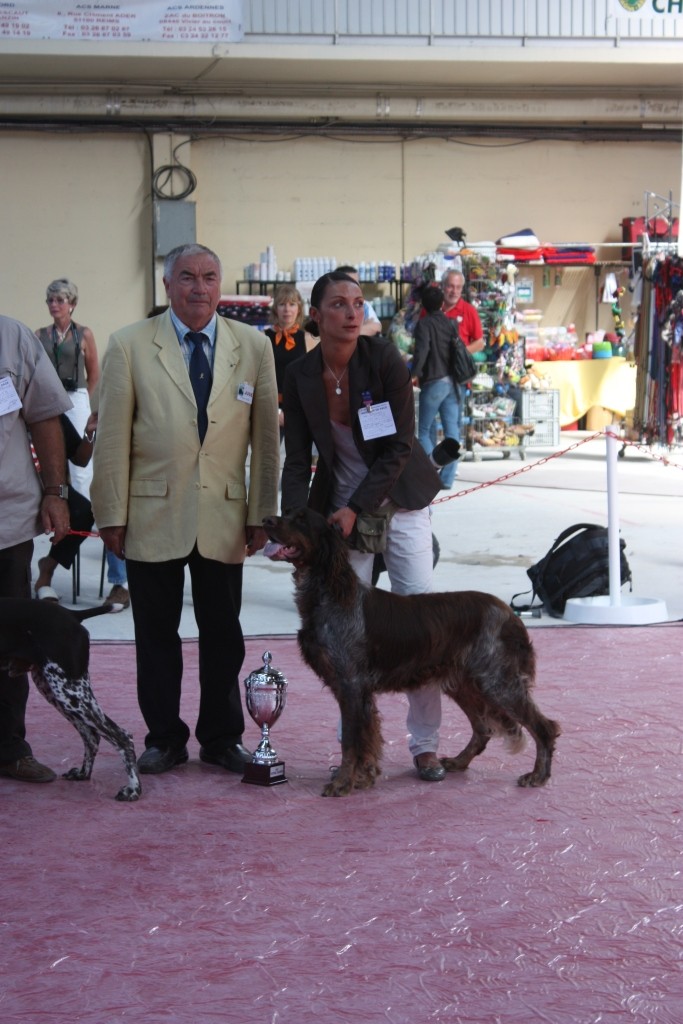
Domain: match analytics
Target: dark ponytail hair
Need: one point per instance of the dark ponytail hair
(323, 283)
(431, 297)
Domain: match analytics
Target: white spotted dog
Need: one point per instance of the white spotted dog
(49, 642)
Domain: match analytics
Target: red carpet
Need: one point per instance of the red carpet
(466, 901)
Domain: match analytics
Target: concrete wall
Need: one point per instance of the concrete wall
(75, 206)
(79, 205)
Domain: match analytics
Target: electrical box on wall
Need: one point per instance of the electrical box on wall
(174, 224)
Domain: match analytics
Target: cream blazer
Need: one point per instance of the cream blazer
(151, 474)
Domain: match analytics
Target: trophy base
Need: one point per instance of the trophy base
(264, 774)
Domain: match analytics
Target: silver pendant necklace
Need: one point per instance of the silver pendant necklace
(61, 335)
(337, 379)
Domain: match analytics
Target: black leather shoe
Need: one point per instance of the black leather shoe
(233, 757)
(154, 761)
(430, 772)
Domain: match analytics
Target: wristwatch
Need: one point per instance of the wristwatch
(58, 491)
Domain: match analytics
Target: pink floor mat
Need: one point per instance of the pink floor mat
(466, 901)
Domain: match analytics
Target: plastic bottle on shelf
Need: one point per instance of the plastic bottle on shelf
(572, 337)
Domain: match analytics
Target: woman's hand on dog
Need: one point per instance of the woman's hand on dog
(344, 519)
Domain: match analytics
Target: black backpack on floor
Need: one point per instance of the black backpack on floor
(577, 565)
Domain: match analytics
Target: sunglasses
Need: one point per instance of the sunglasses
(56, 298)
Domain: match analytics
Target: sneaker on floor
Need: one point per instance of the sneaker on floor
(27, 769)
(119, 595)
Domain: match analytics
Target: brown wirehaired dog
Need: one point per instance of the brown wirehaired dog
(362, 641)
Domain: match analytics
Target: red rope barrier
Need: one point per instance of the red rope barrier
(510, 476)
(555, 455)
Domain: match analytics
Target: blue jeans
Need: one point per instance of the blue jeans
(439, 398)
(116, 570)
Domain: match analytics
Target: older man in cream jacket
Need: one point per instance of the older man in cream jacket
(186, 398)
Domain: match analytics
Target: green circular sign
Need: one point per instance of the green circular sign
(632, 5)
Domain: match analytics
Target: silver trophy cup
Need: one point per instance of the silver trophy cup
(266, 696)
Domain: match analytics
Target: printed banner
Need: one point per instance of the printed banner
(645, 10)
(129, 21)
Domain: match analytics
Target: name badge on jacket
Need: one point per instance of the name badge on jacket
(376, 421)
(9, 399)
(245, 393)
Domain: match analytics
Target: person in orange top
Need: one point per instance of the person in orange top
(290, 340)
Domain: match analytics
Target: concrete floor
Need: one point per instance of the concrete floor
(501, 517)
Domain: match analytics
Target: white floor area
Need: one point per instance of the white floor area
(501, 516)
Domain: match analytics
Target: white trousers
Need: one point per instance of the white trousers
(409, 560)
(81, 476)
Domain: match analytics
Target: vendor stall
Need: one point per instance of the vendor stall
(586, 383)
(659, 401)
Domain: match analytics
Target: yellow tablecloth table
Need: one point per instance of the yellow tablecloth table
(585, 383)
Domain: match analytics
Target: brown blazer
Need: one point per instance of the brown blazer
(150, 472)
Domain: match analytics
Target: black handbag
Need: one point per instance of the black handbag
(462, 366)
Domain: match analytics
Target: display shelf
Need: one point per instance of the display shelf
(497, 423)
(257, 287)
(599, 268)
(541, 409)
(489, 421)
(490, 411)
(248, 309)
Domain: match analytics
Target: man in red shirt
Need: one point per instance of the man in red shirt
(471, 334)
(463, 312)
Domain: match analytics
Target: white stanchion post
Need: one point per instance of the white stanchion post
(615, 608)
(613, 548)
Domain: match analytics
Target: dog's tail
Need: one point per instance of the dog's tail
(499, 723)
(515, 740)
(100, 609)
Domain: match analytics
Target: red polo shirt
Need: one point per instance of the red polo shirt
(469, 324)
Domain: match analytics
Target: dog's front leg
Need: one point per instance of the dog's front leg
(361, 745)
